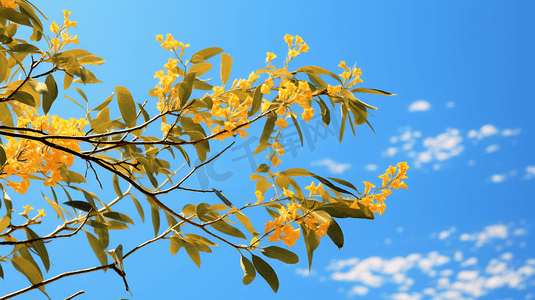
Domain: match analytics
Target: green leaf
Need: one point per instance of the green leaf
(5, 115)
(116, 186)
(55, 206)
(286, 256)
(267, 272)
(1, 272)
(226, 67)
(24, 97)
(48, 98)
(27, 269)
(311, 242)
(335, 233)
(67, 81)
(257, 101)
(318, 71)
(97, 248)
(81, 205)
(205, 54)
(14, 16)
(248, 270)
(222, 197)
(127, 106)
(347, 94)
(3, 66)
(185, 88)
(343, 182)
(105, 103)
(339, 210)
(138, 207)
(193, 253)
(268, 128)
(4, 223)
(155, 212)
(3, 157)
(325, 112)
(371, 91)
(39, 246)
(146, 117)
(244, 220)
(200, 239)
(228, 229)
(200, 68)
(298, 128)
(263, 168)
(118, 216)
(176, 244)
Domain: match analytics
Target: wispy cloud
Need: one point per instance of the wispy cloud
(492, 148)
(530, 172)
(484, 131)
(448, 276)
(370, 167)
(450, 104)
(420, 105)
(334, 167)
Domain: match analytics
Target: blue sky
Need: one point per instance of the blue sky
(462, 72)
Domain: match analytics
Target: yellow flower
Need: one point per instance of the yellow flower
(307, 114)
(345, 75)
(159, 38)
(343, 65)
(298, 40)
(333, 89)
(386, 178)
(287, 193)
(281, 123)
(392, 171)
(288, 39)
(56, 43)
(265, 89)
(197, 119)
(259, 196)
(368, 187)
(381, 208)
(275, 161)
(41, 213)
(290, 235)
(27, 209)
(270, 56)
(304, 48)
(10, 4)
(280, 151)
(54, 27)
(322, 229)
(312, 188)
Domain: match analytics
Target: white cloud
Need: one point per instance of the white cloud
(458, 256)
(399, 229)
(492, 148)
(469, 262)
(520, 231)
(388, 241)
(370, 167)
(337, 265)
(496, 178)
(390, 151)
(420, 105)
(432, 260)
(484, 131)
(436, 167)
(394, 139)
(334, 167)
(446, 273)
(467, 275)
(511, 132)
(444, 234)
(358, 290)
(491, 232)
(304, 272)
(441, 147)
(530, 172)
(405, 296)
(472, 162)
(450, 104)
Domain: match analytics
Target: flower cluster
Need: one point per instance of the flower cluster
(27, 209)
(62, 32)
(9, 4)
(281, 228)
(391, 179)
(349, 76)
(296, 46)
(25, 156)
(171, 44)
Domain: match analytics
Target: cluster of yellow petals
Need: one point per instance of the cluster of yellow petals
(25, 156)
(392, 178)
(296, 46)
(351, 75)
(9, 3)
(281, 229)
(62, 32)
(171, 44)
(27, 208)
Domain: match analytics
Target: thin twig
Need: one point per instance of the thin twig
(78, 293)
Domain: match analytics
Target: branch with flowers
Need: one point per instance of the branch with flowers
(187, 118)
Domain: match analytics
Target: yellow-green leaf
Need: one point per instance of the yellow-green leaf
(248, 270)
(126, 106)
(5, 115)
(244, 220)
(226, 67)
(51, 95)
(267, 272)
(286, 256)
(200, 68)
(97, 248)
(205, 54)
